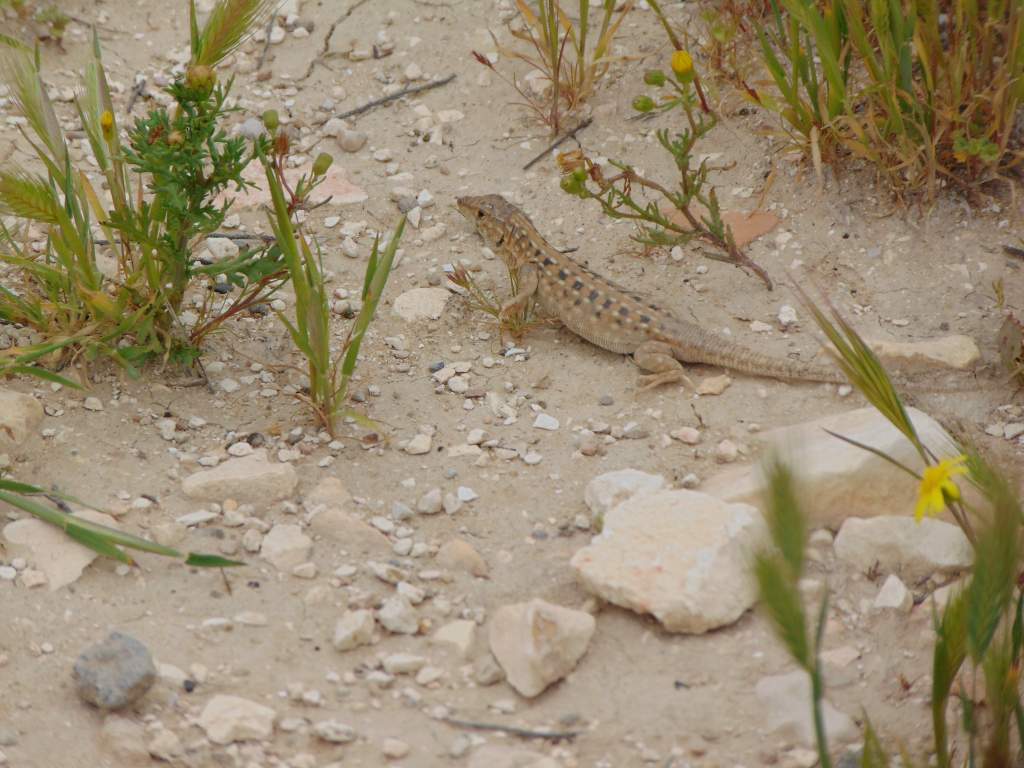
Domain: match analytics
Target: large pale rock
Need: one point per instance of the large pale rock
(286, 546)
(538, 643)
(231, 718)
(839, 480)
(497, 756)
(956, 351)
(786, 700)
(50, 549)
(612, 488)
(20, 414)
(328, 513)
(253, 478)
(914, 549)
(682, 556)
(418, 304)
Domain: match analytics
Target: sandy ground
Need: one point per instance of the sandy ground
(639, 693)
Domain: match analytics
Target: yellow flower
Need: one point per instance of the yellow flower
(682, 65)
(106, 122)
(937, 486)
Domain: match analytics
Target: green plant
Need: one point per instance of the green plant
(106, 541)
(689, 211)
(181, 161)
(927, 93)
(571, 58)
(329, 372)
(55, 21)
(516, 323)
(979, 635)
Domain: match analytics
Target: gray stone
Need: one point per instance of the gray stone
(114, 673)
(397, 615)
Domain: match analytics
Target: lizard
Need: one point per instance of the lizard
(613, 317)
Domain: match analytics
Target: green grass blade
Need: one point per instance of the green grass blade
(41, 373)
(199, 560)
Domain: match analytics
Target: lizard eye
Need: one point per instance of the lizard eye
(480, 214)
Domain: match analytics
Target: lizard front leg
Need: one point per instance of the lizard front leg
(528, 282)
(657, 357)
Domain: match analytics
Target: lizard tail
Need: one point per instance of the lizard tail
(713, 349)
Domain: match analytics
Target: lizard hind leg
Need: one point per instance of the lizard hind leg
(657, 357)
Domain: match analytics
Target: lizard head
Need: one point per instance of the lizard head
(490, 214)
(497, 220)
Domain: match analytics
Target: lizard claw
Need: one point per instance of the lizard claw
(654, 380)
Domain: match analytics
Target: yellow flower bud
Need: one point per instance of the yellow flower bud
(682, 66)
(107, 122)
(176, 138)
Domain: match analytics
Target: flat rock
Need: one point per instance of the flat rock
(681, 556)
(839, 480)
(20, 414)
(956, 351)
(497, 756)
(51, 550)
(786, 701)
(228, 718)
(418, 304)
(249, 479)
(114, 673)
(902, 545)
(612, 488)
(459, 555)
(538, 643)
(348, 529)
(286, 546)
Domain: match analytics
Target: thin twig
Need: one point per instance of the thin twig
(327, 40)
(558, 142)
(266, 44)
(511, 730)
(138, 90)
(404, 92)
